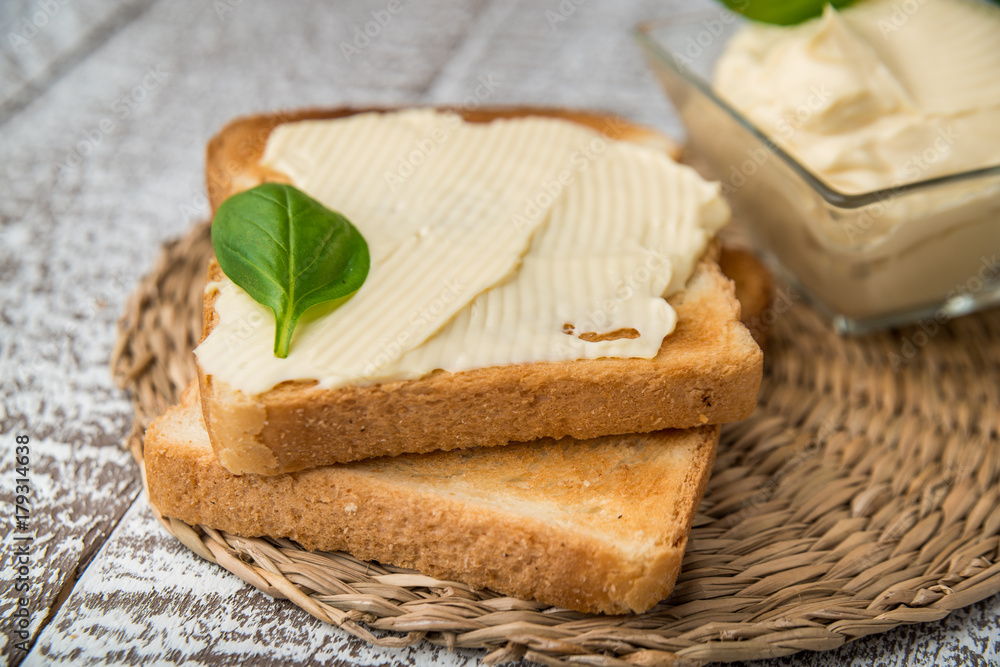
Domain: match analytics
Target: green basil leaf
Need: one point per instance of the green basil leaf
(288, 252)
(782, 12)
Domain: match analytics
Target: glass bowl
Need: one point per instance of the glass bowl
(927, 250)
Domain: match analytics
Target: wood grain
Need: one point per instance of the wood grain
(104, 121)
(44, 40)
(147, 598)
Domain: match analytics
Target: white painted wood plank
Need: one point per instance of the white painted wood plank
(148, 599)
(567, 54)
(42, 39)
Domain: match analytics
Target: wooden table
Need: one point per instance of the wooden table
(105, 109)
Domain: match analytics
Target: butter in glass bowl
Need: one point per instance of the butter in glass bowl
(861, 147)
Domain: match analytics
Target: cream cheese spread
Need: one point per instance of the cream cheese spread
(520, 240)
(882, 94)
(876, 95)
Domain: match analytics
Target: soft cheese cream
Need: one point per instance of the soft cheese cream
(872, 97)
(506, 242)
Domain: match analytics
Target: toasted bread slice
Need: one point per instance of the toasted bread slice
(754, 289)
(707, 371)
(232, 161)
(594, 525)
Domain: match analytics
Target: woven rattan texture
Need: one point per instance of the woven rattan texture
(861, 495)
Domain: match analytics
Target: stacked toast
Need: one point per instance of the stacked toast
(573, 482)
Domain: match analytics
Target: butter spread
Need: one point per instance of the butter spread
(878, 95)
(626, 233)
(874, 96)
(520, 240)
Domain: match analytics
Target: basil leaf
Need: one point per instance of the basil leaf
(782, 12)
(288, 252)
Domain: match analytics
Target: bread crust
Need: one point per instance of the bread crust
(707, 371)
(232, 158)
(406, 510)
(754, 289)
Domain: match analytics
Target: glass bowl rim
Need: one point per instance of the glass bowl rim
(644, 33)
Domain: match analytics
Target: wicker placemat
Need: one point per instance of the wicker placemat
(862, 495)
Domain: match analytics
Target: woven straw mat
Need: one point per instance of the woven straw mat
(860, 496)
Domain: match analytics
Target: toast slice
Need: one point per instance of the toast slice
(707, 371)
(754, 289)
(595, 525)
(232, 159)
